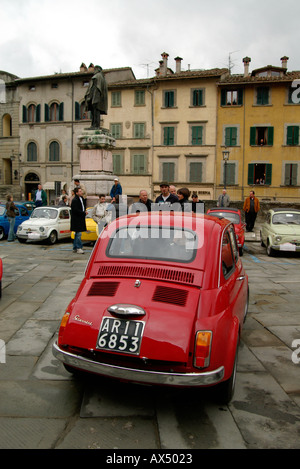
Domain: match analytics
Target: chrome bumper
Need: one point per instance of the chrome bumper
(139, 376)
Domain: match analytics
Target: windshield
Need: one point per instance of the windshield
(46, 212)
(286, 218)
(233, 217)
(2, 210)
(162, 243)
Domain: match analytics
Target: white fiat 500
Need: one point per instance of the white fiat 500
(46, 223)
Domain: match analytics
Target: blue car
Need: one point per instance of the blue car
(22, 214)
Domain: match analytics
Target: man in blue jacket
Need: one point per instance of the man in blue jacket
(116, 189)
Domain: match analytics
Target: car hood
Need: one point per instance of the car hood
(169, 320)
(36, 222)
(287, 230)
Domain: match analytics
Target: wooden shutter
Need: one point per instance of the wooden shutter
(230, 173)
(38, 113)
(251, 174)
(168, 170)
(270, 135)
(197, 135)
(117, 164)
(168, 135)
(24, 114)
(77, 111)
(61, 112)
(240, 97)
(268, 180)
(252, 136)
(196, 172)
(46, 113)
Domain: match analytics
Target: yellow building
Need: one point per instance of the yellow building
(258, 124)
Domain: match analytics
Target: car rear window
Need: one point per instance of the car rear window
(286, 218)
(161, 243)
(233, 217)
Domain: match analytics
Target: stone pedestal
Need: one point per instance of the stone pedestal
(96, 165)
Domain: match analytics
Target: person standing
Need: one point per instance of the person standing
(78, 224)
(11, 215)
(166, 197)
(223, 199)
(115, 190)
(40, 197)
(251, 208)
(100, 215)
(183, 198)
(143, 204)
(80, 185)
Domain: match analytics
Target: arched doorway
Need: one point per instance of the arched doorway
(31, 184)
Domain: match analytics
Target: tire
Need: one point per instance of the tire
(52, 237)
(22, 241)
(261, 241)
(270, 251)
(224, 391)
(2, 234)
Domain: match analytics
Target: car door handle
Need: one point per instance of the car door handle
(242, 277)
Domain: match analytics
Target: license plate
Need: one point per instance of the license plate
(287, 247)
(120, 335)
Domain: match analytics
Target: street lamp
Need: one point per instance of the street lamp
(225, 159)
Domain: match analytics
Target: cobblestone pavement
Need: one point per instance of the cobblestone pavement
(42, 406)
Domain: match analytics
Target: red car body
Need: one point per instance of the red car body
(156, 309)
(234, 215)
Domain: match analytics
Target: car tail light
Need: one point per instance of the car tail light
(63, 324)
(202, 349)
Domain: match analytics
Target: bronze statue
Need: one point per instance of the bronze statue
(96, 97)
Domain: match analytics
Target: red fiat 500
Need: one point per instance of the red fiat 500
(234, 215)
(163, 302)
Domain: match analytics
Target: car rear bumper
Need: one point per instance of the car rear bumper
(140, 376)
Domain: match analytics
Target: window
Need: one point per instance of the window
(231, 134)
(290, 174)
(197, 135)
(169, 136)
(117, 163)
(31, 152)
(54, 151)
(138, 130)
(168, 171)
(292, 135)
(80, 112)
(32, 113)
(259, 173)
(195, 172)
(232, 97)
(261, 136)
(116, 98)
(168, 99)
(262, 95)
(54, 112)
(228, 263)
(229, 171)
(139, 164)
(198, 97)
(139, 98)
(116, 130)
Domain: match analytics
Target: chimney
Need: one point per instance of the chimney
(91, 68)
(246, 61)
(284, 61)
(83, 67)
(178, 64)
(165, 63)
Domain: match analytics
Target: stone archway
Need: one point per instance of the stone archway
(31, 182)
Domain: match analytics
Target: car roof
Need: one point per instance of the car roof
(276, 210)
(224, 209)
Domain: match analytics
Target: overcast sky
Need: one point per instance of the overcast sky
(41, 37)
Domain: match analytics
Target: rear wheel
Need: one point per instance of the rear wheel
(2, 234)
(270, 251)
(224, 391)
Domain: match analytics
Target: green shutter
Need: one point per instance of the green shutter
(24, 114)
(251, 174)
(196, 172)
(77, 111)
(61, 112)
(46, 113)
(117, 164)
(38, 113)
(230, 173)
(168, 172)
(230, 136)
(168, 135)
(197, 135)
(268, 180)
(270, 135)
(292, 135)
(240, 97)
(252, 136)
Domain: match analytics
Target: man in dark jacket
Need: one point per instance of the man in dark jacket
(166, 197)
(78, 225)
(143, 205)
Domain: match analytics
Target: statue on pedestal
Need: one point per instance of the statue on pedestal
(96, 97)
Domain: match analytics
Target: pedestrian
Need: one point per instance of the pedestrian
(40, 197)
(63, 201)
(251, 208)
(80, 185)
(11, 215)
(195, 207)
(78, 225)
(173, 190)
(143, 204)
(166, 197)
(223, 199)
(100, 215)
(115, 190)
(183, 199)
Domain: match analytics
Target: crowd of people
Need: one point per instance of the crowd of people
(104, 212)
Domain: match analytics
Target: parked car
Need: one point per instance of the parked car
(281, 231)
(91, 233)
(234, 215)
(22, 214)
(162, 302)
(46, 223)
(29, 204)
(1, 274)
